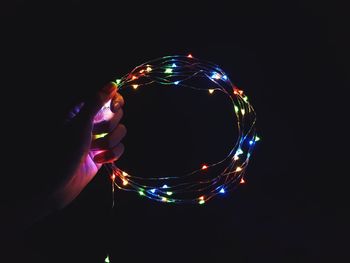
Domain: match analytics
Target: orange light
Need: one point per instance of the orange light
(204, 167)
(201, 198)
(133, 78)
(237, 91)
(113, 177)
(189, 56)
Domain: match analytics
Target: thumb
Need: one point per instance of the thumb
(96, 102)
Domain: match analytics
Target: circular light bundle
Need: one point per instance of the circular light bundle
(197, 186)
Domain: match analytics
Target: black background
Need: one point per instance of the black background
(290, 58)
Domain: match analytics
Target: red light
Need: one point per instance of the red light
(189, 56)
(204, 167)
(242, 181)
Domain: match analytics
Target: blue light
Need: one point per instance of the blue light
(239, 151)
(165, 186)
(174, 65)
(251, 142)
(222, 191)
(176, 82)
(215, 75)
(153, 191)
(224, 77)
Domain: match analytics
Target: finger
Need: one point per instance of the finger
(109, 141)
(94, 104)
(117, 102)
(110, 155)
(108, 126)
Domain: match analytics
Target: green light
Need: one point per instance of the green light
(117, 81)
(245, 98)
(236, 109)
(107, 259)
(168, 70)
(201, 202)
(257, 138)
(141, 192)
(169, 193)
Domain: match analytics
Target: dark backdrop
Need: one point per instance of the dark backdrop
(290, 58)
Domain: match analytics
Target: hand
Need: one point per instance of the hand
(85, 154)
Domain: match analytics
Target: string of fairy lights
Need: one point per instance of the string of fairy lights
(199, 185)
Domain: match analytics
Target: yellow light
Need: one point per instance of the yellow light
(238, 169)
(164, 199)
(169, 193)
(101, 135)
(125, 182)
(135, 86)
(142, 70)
(211, 91)
(242, 111)
(125, 174)
(235, 157)
(148, 69)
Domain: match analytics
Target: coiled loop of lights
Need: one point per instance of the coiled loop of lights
(196, 186)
